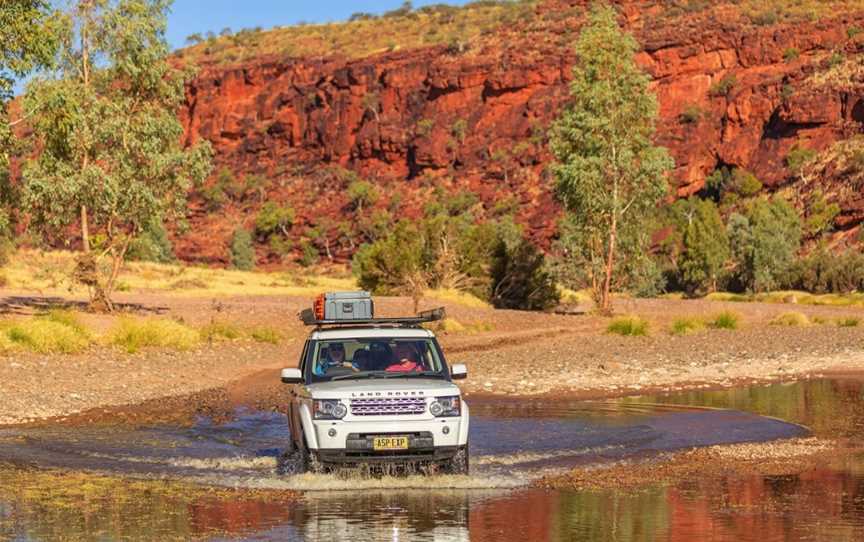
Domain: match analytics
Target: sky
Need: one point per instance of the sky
(200, 16)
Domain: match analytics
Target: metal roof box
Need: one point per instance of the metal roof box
(345, 306)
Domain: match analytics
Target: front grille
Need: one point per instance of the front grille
(388, 406)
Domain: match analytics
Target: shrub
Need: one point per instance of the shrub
(459, 130)
(219, 329)
(628, 326)
(790, 54)
(820, 214)
(764, 244)
(791, 319)
(425, 126)
(362, 194)
(850, 321)
(242, 252)
(274, 218)
(134, 334)
(309, 255)
(686, 325)
(853, 31)
(725, 320)
(799, 157)
(692, 114)
(705, 244)
(153, 245)
(265, 334)
(723, 87)
(520, 279)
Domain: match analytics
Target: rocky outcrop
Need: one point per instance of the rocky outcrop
(731, 94)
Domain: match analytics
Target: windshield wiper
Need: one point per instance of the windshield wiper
(412, 373)
(374, 374)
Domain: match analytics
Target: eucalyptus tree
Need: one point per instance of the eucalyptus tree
(609, 173)
(28, 40)
(111, 157)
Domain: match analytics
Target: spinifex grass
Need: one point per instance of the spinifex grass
(58, 332)
(686, 325)
(791, 319)
(628, 326)
(132, 334)
(725, 320)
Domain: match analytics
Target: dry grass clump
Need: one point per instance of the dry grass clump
(265, 334)
(725, 320)
(58, 332)
(221, 330)
(133, 334)
(791, 319)
(628, 326)
(686, 325)
(849, 321)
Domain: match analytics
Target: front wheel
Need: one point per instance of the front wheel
(459, 463)
(312, 462)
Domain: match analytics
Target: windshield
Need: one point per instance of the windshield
(375, 358)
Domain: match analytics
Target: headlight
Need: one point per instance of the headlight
(329, 409)
(446, 406)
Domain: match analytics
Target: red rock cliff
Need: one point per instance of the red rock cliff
(415, 120)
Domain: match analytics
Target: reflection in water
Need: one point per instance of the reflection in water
(821, 504)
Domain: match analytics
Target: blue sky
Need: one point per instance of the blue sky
(200, 16)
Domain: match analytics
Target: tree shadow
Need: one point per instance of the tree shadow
(28, 305)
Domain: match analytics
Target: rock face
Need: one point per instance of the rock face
(731, 94)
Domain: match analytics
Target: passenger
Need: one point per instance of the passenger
(332, 356)
(405, 359)
(380, 356)
(360, 361)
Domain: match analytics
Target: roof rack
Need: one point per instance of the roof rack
(307, 316)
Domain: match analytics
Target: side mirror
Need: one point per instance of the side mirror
(458, 372)
(292, 376)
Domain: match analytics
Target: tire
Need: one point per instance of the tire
(311, 461)
(459, 463)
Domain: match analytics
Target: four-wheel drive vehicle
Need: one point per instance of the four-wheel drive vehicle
(373, 390)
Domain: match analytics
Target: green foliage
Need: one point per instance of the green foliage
(520, 279)
(705, 245)
(47, 335)
(609, 173)
(441, 251)
(820, 214)
(242, 251)
(459, 130)
(725, 320)
(724, 86)
(152, 245)
(825, 271)
(799, 157)
(628, 326)
(744, 183)
(110, 139)
(790, 54)
(764, 243)
(362, 194)
(30, 33)
(309, 255)
(274, 218)
(853, 31)
(425, 126)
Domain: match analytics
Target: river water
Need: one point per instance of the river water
(164, 482)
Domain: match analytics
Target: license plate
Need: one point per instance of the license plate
(390, 443)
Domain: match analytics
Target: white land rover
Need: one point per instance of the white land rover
(374, 390)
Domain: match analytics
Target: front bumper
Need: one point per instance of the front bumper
(356, 436)
(359, 449)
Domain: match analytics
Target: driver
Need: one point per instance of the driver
(334, 357)
(405, 359)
